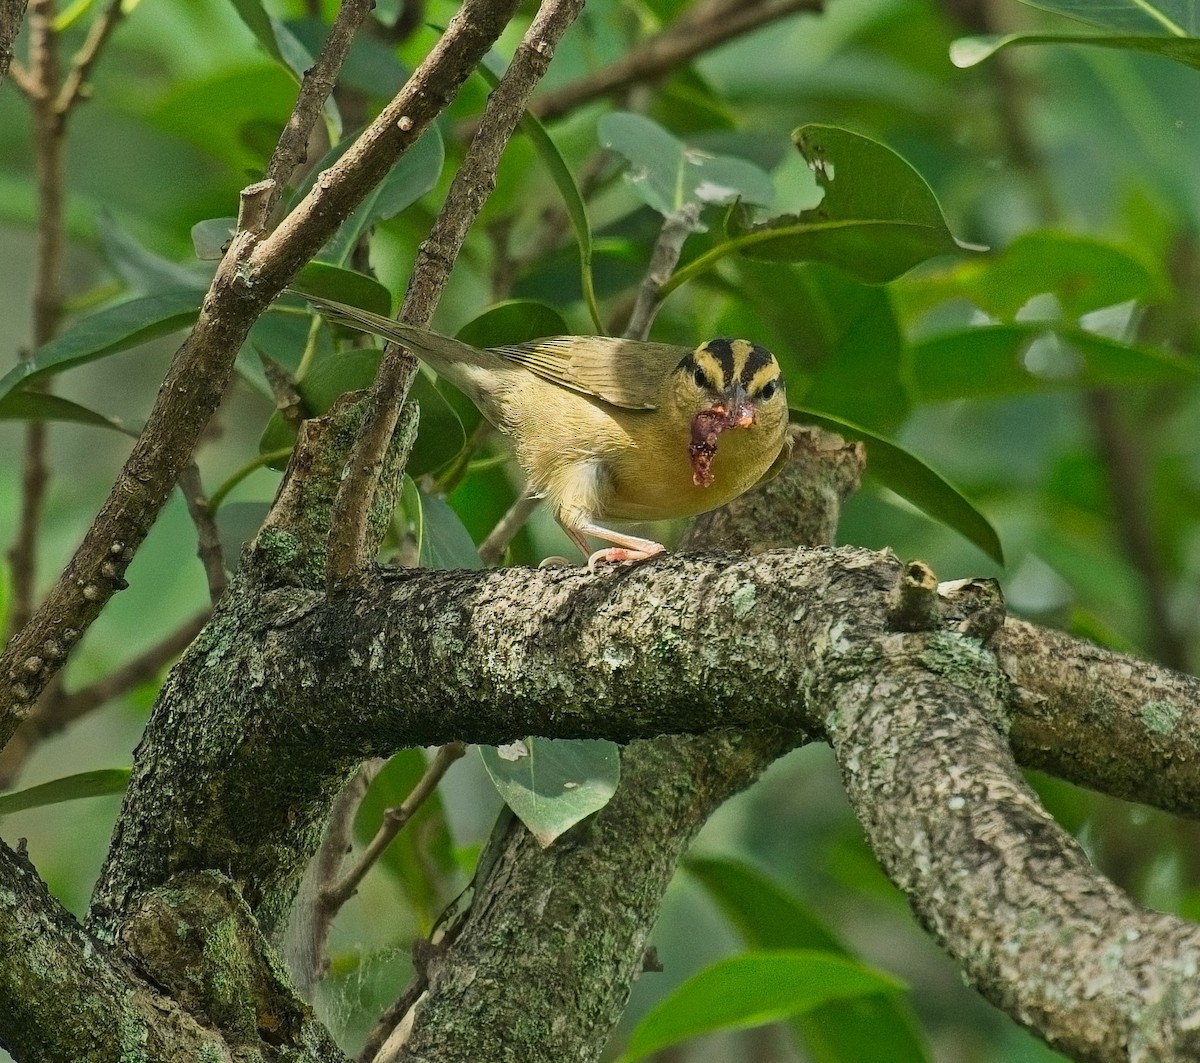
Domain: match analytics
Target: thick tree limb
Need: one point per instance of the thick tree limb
(1006, 890)
(66, 997)
(1116, 723)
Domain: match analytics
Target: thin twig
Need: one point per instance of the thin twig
(312, 919)
(47, 305)
(491, 550)
(12, 12)
(56, 710)
(292, 148)
(669, 50)
(208, 539)
(472, 185)
(74, 88)
(394, 821)
(676, 228)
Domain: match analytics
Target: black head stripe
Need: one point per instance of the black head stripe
(757, 359)
(722, 350)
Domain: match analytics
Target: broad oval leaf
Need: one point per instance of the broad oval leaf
(769, 917)
(552, 784)
(107, 331)
(1082, 273)
(877, 220)
(971, 51)
(901, 471)
(668, 175)
(1178, 18)
(69, 788)
(415, 173)
(752, 990)
(331, 281)
(443, 541)
(1025, 357)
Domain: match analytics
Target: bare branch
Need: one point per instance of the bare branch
(292, 149)
(491, 550)
(394, 821)
(57, 709)
(75, 87)
(348, 546)
(208, 539)
(673, 47)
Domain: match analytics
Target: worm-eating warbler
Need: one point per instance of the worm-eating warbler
(615, 429)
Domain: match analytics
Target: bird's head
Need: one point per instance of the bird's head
(726, 385)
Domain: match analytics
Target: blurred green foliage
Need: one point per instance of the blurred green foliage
(1052, 382)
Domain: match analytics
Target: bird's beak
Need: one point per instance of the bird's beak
(735, 407)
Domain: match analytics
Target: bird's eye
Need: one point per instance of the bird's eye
(700, 377)
(768, 389)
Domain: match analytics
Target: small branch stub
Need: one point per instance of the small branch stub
(913, 601)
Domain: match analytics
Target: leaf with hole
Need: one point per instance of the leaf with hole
(878, 217)
(552, 784)
(668, 175)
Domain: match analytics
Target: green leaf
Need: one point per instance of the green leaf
(36, 406)
(552, 784)
(878, 218)
(415, 173)
(1082, 273)
(440, 434)
(345, 285)
(668, 175)
(69, 788)
(422, 846)
(211, 236)
(107, 331)
(971, 51)
(141, 269)
(443, 541)
(1027, 357)
(905, 473)
(752, 990)
(768, 917)
(492, 69)
(299, 60)
(1178, 18)
(259, 23)
(513, 321)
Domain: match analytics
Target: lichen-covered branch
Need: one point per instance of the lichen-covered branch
(67, 997)
(918, 729)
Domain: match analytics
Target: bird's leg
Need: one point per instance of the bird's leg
(626, 548)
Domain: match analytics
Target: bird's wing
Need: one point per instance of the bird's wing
(624, 373)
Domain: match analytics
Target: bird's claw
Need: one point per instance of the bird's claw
(614, 555)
